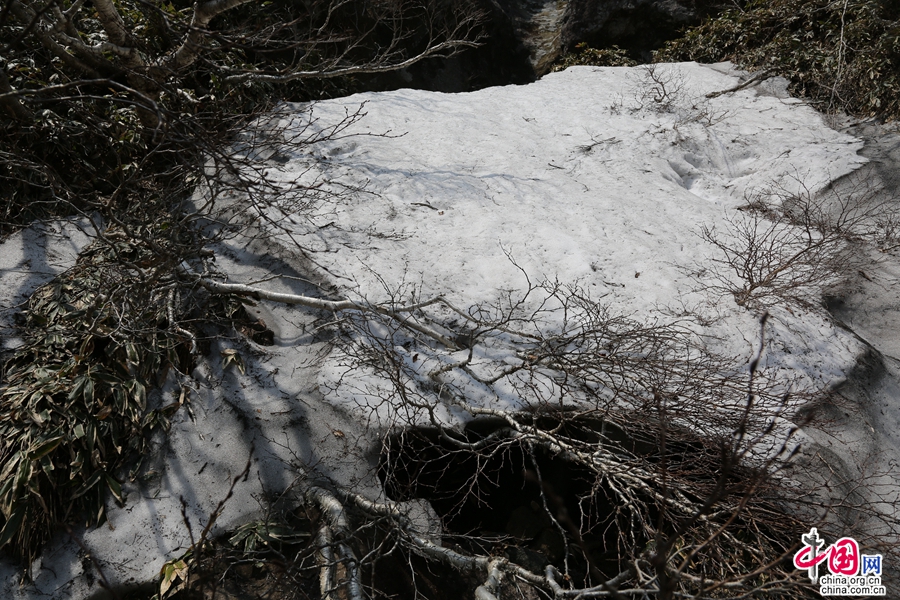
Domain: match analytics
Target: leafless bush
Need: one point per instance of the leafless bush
(788, 246)
(678, 528)
(660, 88)
(888, 231)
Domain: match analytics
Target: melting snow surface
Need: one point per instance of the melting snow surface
(592, 176)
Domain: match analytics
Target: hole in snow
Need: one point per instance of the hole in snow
(501, 497)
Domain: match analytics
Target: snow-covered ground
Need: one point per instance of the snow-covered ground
(597, 176)
(592, 176)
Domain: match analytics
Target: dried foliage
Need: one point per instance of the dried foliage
(679, 447)
(654, 510)
(74, 401)
(619, 507)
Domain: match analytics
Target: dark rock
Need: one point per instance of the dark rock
(537, 24)
(526, 523)
(550, 28)
(503, 58)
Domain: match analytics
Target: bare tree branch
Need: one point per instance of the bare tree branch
(191, 47)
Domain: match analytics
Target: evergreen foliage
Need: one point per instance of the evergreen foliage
(843, 55)
(585, 55)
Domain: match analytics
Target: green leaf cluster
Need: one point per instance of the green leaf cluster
(260, 535)
(844, 55)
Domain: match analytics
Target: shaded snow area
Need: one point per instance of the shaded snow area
(31, 258)
(591, 184)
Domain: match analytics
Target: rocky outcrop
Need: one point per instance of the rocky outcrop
(549, 28)
(538, 25)
(524, 38)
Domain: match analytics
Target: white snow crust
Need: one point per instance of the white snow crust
(582, 177)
